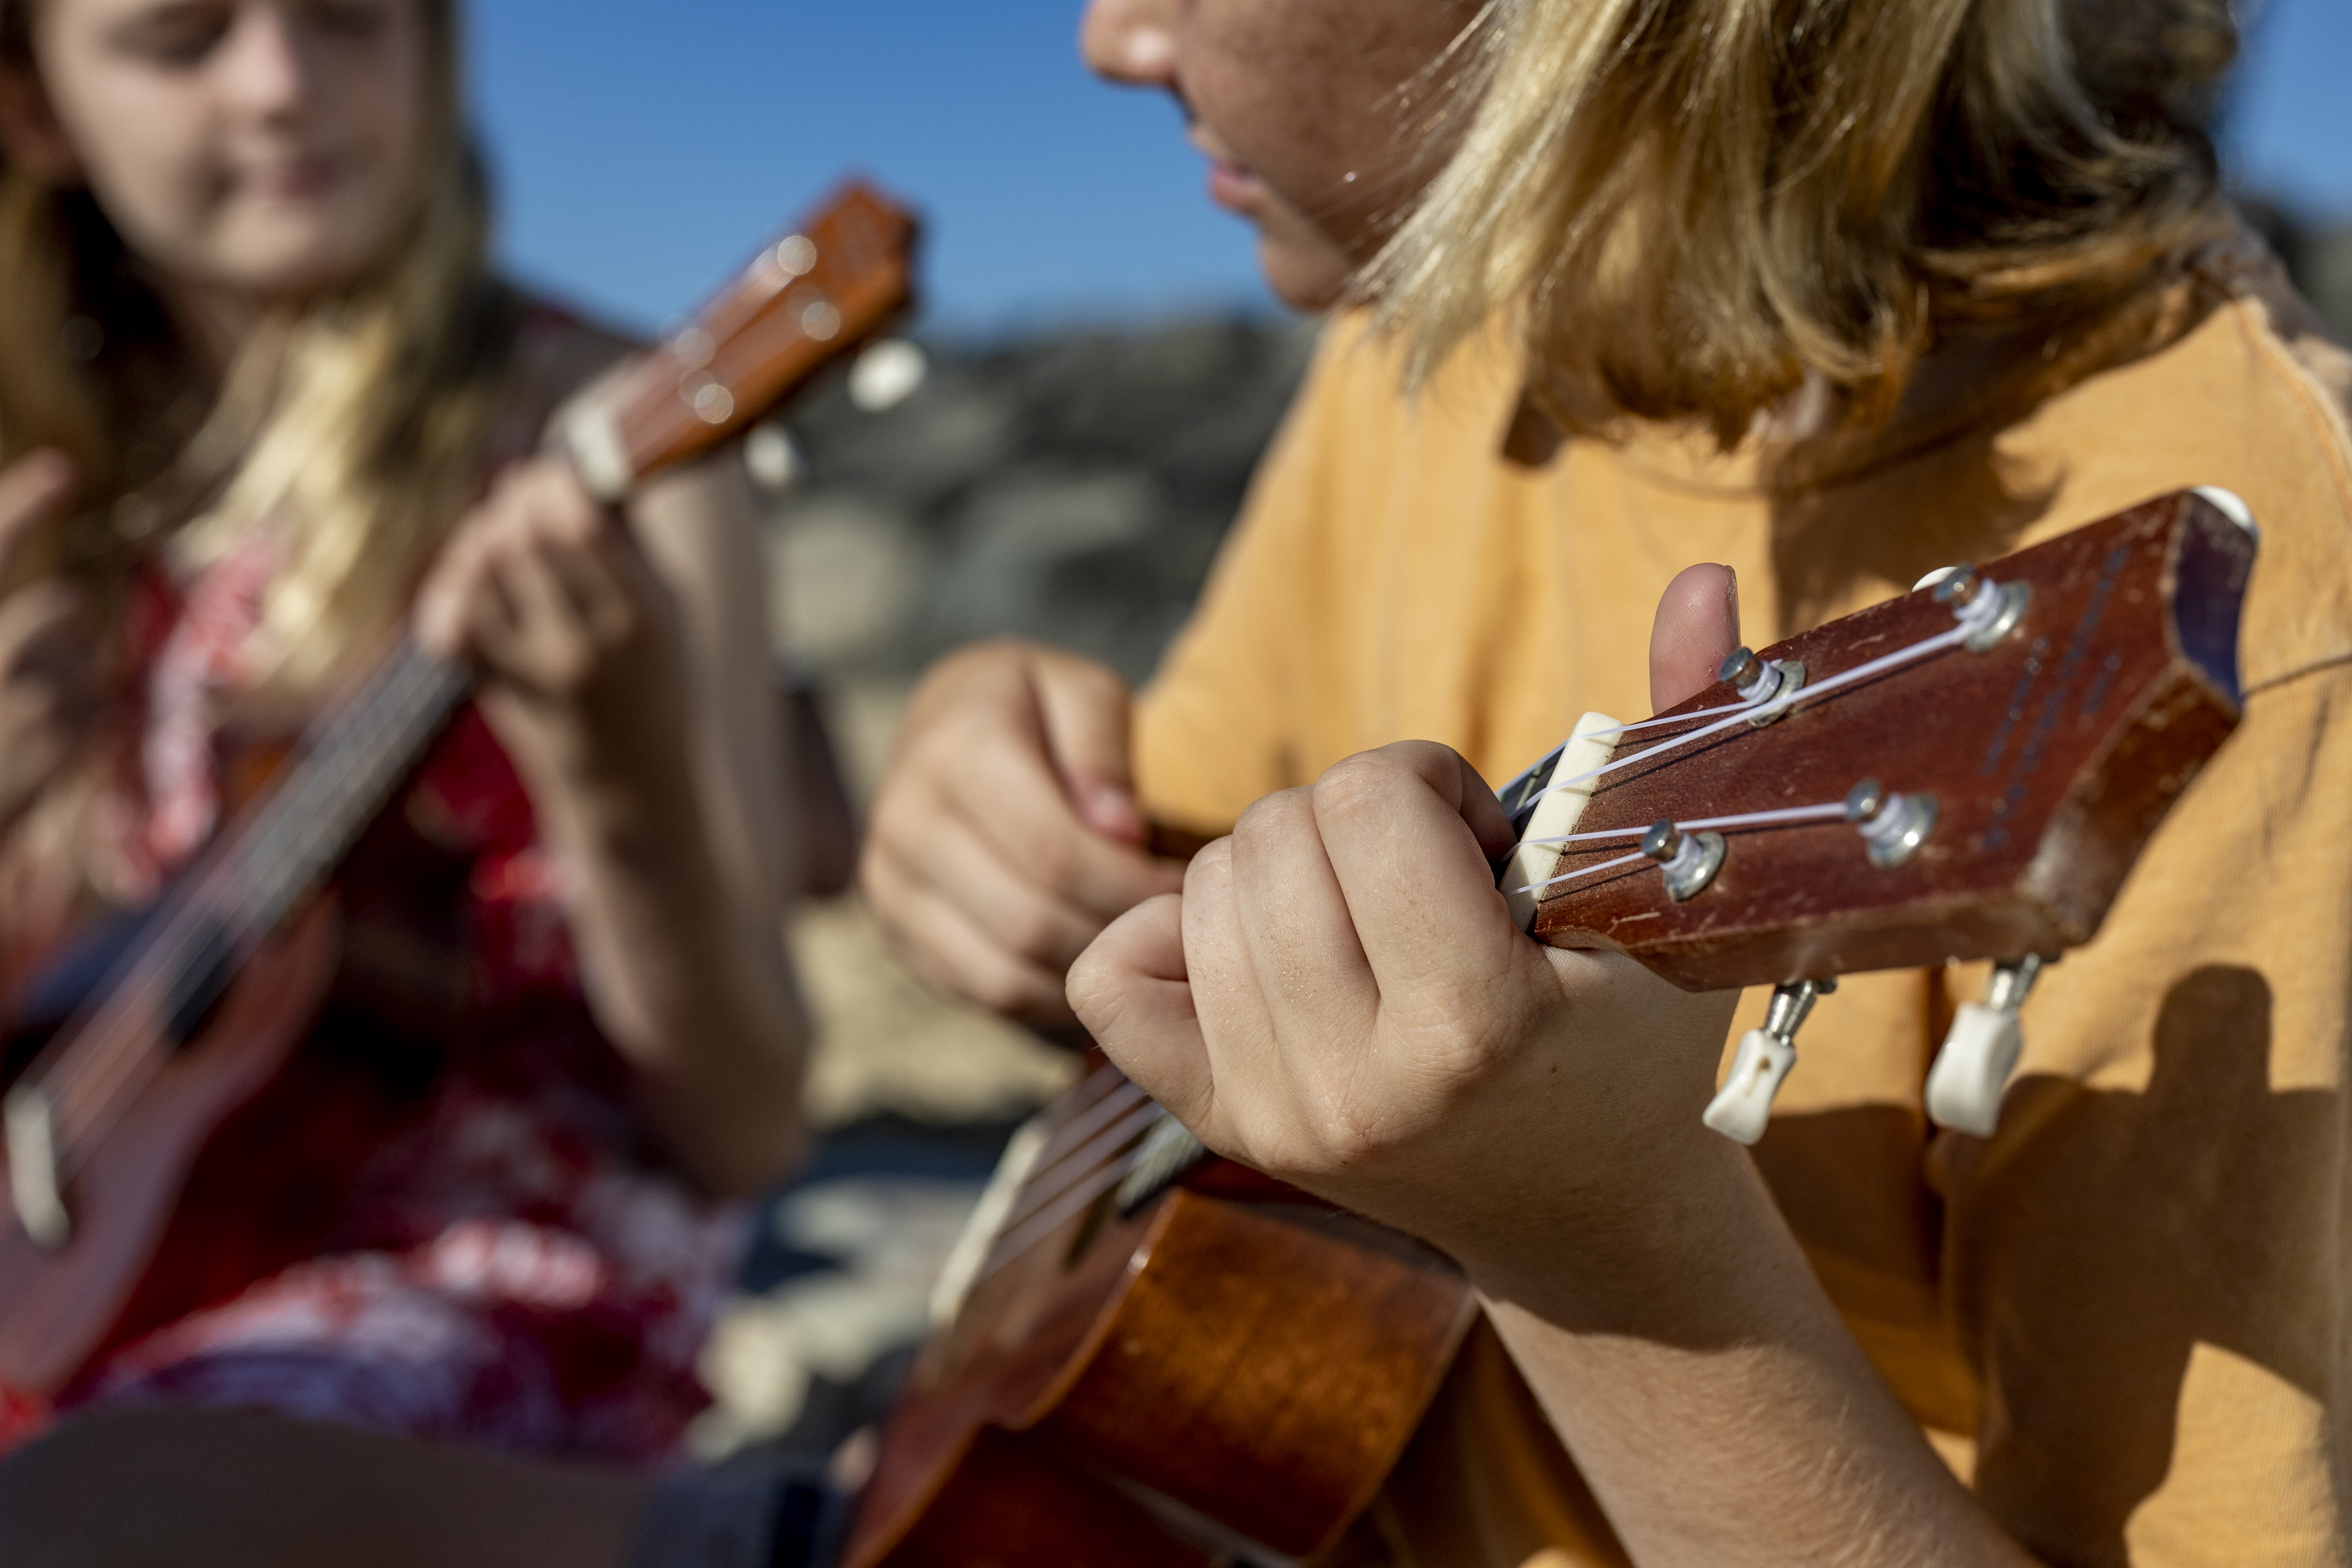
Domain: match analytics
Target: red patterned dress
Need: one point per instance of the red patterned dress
(448, 1219)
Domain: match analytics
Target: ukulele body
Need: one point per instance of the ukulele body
(1233, 1363)
(62, 1305)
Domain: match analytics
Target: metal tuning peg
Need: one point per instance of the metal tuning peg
(1767, 688)
(1990, 610)
(1689, 860)
(1893, 825)
(1744, 1104)
(1964, 1086)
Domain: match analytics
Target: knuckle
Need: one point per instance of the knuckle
(1211, 867)
(1001, 986)
(1034, 934)
(1270, 817)
(1052, 858)
(1353, 785)
(897, 814)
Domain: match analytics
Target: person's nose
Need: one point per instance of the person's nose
(1130, 41)
(266, 64)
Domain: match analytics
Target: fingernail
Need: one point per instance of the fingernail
(1110, 809)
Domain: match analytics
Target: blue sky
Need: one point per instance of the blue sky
(642, 150)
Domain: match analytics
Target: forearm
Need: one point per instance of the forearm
(691, 988)
(1712, 1396)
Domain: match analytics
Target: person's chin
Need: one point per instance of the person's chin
(289, 255)
(1306, 269)
(1307, 279)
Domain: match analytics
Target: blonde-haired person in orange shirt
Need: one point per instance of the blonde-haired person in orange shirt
(1828, 295)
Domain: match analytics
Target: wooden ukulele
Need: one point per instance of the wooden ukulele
(1153, 1357)
(221, 983)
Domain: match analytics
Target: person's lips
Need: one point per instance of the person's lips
(1235, 188)
(1232, 184)
(291, 179)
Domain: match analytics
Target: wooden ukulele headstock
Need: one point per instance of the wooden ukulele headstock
(813, 297)
(2051, 757)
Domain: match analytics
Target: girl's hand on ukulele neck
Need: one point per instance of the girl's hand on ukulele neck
(574, 637)
(49, 659)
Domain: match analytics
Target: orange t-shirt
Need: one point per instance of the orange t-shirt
(2125, 1316)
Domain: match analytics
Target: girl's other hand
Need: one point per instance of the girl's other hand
(49, 657)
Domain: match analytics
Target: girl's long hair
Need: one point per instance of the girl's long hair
(352, 426)
(1691, 207)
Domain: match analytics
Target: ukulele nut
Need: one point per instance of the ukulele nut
(1892, 825)
(36, 1189)
(1688, 860)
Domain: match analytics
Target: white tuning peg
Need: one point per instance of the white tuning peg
(1964, 1086)
(1744, 1104)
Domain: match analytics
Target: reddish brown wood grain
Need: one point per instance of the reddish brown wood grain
(59, 1307)
(760, 336)
(2051, 758)
(1257, 1364)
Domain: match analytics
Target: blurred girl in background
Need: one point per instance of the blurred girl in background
(261, 402)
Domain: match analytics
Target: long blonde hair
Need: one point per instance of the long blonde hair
(1692, 207)
(353, 426)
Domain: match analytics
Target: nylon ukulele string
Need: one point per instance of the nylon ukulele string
(255, 877)
(1736, 715)
(1045, 1206)
(1822, 687)
(1103, 1144)
(383, 714)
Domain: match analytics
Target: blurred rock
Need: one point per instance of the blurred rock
(2326, 277)
(888, 1043)
(884, 1237)
(848, 576)
(2318, 256)
(1070, 487)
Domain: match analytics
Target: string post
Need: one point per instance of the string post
(1989, 610)
(1767, 687)
(1743, 1106)
(1750, 677)
(1892, 825)
(1688, 860)
(1980, 1051)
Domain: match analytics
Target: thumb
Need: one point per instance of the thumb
(1697, 629)
(1085, 710)
(33, 491)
